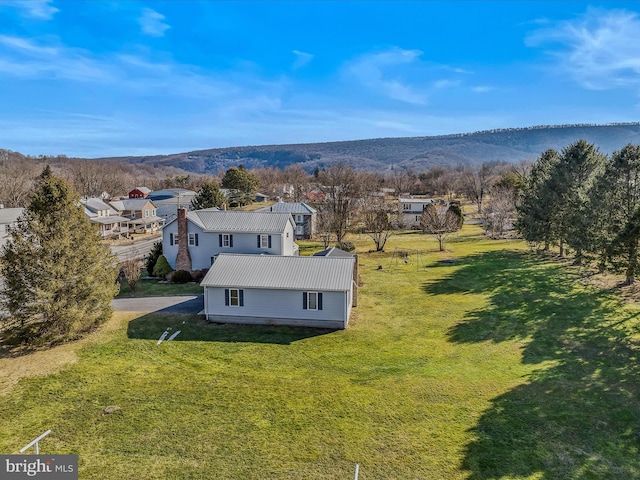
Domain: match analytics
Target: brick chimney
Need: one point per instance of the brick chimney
(183, 259)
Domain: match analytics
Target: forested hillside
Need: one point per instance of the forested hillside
(417, 153)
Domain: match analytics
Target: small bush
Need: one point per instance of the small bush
(181, 276)
(346, 246)
(162, 267)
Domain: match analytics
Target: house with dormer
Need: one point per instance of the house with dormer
(304, 216)
(108, 221)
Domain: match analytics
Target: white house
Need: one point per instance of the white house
(105, 217)
(280, 290)
(411, 209)
(195, 238)
(304, 216)
(8, 219)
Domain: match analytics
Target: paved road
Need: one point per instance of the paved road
(139, 249)
(168, 304)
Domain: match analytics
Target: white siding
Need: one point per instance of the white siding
(287, 240)
(278, 306)
(209, 245)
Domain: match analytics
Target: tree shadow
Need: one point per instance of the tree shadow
(193, 328)
(579, 414)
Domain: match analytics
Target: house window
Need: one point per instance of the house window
(311, 300)
(233, 297)
(225, 240)
(193, 239)
(417, 218)
(264, 241)
(173, 239)
(147, 213)
(298, 218)
(406, 206)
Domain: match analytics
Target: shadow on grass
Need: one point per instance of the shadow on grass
(579, 414)
(194, 328)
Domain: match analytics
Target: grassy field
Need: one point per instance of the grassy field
(149, 287)
(481, 362)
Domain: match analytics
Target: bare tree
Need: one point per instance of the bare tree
(376, 215)
(17, 180)
(499, 211)
(342, 190)
(441, 222)
(475, 182)
(131, 268)
(296, 176)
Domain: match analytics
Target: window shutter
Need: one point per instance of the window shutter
(269, 241)
(220, 239)
(196, 239)
(241, 294)
(319, 301)
(259, 241)
(304, 300)
(171, 239)
(231, 241)
(226, 297)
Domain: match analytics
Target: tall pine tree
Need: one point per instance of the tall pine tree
(537, 202)
(59, 277)
(209, 196)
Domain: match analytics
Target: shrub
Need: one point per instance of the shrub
(162, 267)
(153, 256)
(199, 275)
(346, 246)
(181, 276)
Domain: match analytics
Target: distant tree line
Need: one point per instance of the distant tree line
(586, 203)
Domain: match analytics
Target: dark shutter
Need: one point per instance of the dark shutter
(231, 241)
(259, 241)
(226, 297)
(241, 295)
(171, 239)
(269, 241)
(304, 300)
(319, 301)
(196, 239)
(220, 239)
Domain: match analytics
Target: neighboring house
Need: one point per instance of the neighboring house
(333, 252)
(105, 217)
(261, 197)
(8, 219)
(304, 216)
(411, 208)
(169, 200)
(141, 214)
(279, 290)
(316, 195)
(139, 192)
(195, 238)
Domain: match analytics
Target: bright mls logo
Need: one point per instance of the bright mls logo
(50, 467)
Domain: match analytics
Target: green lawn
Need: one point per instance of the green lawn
(481, 362)
(151, 287)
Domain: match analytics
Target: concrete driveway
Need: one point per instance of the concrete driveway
(169, 304)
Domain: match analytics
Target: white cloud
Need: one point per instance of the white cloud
(446, 83)
(152, 23)
(372, 70)
(600, 50)
(38, 9)
(481, 89)
(302, 58)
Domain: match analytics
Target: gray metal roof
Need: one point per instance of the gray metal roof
(131, 204)
(280, 272)
(214, 220)
(110, 220)
(299, 208)
(333, 252)
(97, 204)
(10, 215)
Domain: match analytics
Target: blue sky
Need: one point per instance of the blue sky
(91, 78)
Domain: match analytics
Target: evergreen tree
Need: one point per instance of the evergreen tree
(162, 267)
(537, 202)
(152, 257)
(244, 183)
(59, 277)
(209, 196)
(580, 165)
(615, 203)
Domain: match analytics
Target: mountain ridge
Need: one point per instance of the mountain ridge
(418, 153)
